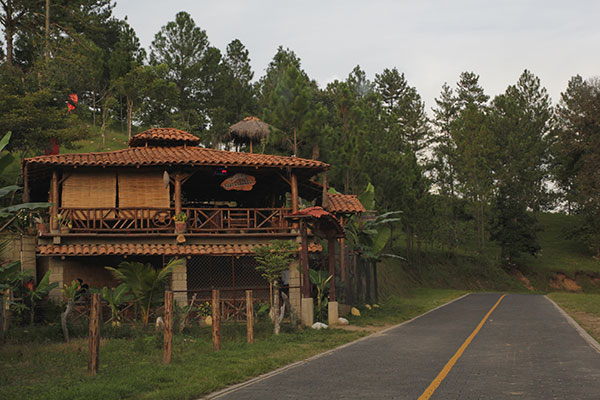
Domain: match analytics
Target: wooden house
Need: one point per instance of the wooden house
(118, 205)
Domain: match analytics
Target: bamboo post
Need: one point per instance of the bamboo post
(54, 201)
(249, 316)
(168, 348)
(25, 197)
(94, 341)
(304, 260)
(294, 185)
(325, 196)
(177, 194)
(216, 320)
(2, 317)
(331, 255)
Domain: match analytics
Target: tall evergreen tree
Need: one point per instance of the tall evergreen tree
(577, 153)
(193, 64)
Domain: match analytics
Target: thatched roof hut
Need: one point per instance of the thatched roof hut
(249, 130)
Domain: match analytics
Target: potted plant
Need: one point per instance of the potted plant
(180, 222)
(64, 223)
(42, 225)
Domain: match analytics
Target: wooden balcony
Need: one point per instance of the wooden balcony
(200, 221)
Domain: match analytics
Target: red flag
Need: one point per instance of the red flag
(72, 102)
(53, 147)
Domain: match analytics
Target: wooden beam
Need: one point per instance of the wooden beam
(94, 339)
(325, 197)
(168, 334)
(294, 184)
(331, 256)
(249, 315)
(26, 183)
(54, 201)
(216, 320)
(177, 194)
(304, 260)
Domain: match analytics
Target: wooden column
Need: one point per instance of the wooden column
(249, 315)
(94, 340)
(325, 197)
(331, 256)
(26, 184)
(168, 334)
(54, 201)
(216, 320)
(304, 260)
(177, 193)
(294, 185)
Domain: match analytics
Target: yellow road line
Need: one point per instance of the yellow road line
(438, 379)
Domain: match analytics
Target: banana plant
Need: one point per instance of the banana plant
(320, 279)
(116, 298)
(35, 294)
(70, 293)
(11, 211)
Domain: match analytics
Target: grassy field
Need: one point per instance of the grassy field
(396, 309)
(131, 367)
(583, 307)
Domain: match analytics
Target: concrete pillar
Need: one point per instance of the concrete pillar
(57, 274)
(27, 255)
(295, 298)
(179, 282)
(332, 313)
(308, 313)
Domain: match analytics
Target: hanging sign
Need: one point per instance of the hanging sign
(239, 182)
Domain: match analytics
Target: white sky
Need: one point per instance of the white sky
(431, 41)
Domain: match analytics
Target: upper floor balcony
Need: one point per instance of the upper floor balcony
(156, 220)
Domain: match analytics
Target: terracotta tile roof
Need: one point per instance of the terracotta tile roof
(323, 218)
(162, 135)
(345, 203)
(191, 156)
(146, 249)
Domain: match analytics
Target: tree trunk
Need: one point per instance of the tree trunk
(93, 108)
(8, 31)
(367, 267)
(64, 319)
(276, 322)
(47, 32)
(358, 276)
(315, 152)
(129, 116)
(375, 285)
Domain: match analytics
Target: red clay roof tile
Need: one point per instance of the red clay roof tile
(181, 155)
(162, 135)
(151, 249)
(344, 203)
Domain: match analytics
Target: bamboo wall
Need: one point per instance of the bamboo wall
(142, 189)
(90, 189)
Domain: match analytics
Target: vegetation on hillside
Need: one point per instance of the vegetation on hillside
(474, 167)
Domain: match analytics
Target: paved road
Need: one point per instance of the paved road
(526, 349)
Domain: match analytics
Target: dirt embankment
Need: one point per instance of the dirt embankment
(562, 282)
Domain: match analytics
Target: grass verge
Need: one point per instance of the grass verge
(583, 307)
(131, 367)
(396, 309)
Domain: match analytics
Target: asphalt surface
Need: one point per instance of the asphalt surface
(527, 349)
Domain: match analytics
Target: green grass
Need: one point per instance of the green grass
(559, 252)
(583, 307)
(114, 140)
(131, 368)
(38, 366)
(395, 309)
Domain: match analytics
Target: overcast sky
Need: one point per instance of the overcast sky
(431, 41)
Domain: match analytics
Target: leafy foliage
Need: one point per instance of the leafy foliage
(144, 282)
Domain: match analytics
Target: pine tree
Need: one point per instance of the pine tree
(577, 152)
